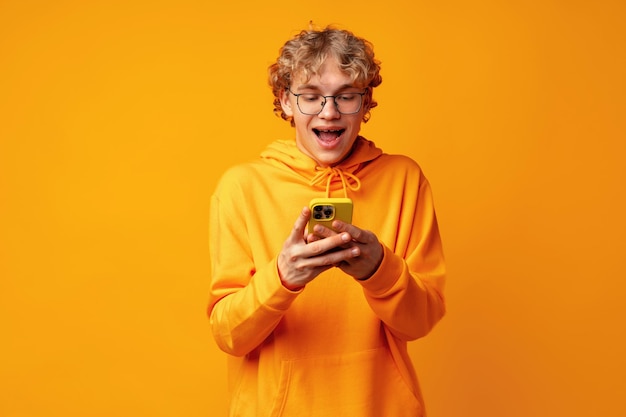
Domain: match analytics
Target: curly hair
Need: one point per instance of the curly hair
(306, 52)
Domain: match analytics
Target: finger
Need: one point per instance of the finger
(298, 228)
(330, 259)
(323, 231)
(311, 237)
(321, 246)
(339, 257)
(357, 234)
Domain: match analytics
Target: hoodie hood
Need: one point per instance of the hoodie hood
(342, 176)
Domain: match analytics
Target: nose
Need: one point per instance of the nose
(329, 109)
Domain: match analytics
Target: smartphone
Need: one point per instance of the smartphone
(325, 210)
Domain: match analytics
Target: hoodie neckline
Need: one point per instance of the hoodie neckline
(347, 179)
(343, 176)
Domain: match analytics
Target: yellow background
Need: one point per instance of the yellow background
(117, 117)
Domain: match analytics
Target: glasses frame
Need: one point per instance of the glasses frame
(326, 100)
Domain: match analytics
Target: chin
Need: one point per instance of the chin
(331, 160)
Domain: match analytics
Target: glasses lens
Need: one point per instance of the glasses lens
(347, 103)
(310, 103)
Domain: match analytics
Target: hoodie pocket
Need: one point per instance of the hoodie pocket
(358, 384)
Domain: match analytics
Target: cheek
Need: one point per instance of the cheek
(355, 124)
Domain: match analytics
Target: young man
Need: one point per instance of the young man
(317, 324)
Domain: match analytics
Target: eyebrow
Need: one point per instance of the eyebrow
(316, 88)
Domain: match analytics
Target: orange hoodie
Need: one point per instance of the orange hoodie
(339, 346)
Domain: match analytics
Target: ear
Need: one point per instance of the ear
(285, 103)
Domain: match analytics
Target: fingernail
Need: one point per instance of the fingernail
(355, 252)
(345, 237)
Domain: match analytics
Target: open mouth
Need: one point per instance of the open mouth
(328, 135)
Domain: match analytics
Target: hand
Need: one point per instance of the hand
(300, 261)
(364, 242)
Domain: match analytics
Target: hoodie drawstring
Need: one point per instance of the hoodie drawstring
(348, 180)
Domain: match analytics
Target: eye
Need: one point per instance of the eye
(347, 97)
(310, 97)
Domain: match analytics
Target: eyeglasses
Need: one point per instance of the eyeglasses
(312, 104)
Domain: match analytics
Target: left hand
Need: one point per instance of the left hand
(369, 248)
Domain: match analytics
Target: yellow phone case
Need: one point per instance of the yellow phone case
(325, 210)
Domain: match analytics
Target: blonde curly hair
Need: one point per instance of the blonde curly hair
(306, 52)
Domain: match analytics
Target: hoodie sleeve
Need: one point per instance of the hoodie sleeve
(406, 292)
(246, 301)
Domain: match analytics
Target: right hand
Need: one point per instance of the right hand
(300, 262)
